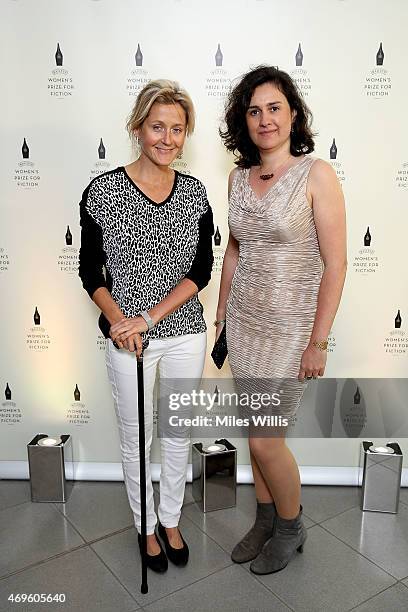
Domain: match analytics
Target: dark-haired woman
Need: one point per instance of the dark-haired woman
(282, 279)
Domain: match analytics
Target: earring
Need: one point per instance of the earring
(137, 146)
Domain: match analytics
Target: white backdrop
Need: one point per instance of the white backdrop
(64, 100)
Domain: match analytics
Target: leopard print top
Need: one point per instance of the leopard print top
(146, 248)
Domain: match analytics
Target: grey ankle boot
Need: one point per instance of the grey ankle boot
(251, 544)
(289, 536)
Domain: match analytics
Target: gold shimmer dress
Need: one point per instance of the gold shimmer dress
(273, 298)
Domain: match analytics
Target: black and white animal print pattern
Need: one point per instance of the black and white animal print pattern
(149, 247)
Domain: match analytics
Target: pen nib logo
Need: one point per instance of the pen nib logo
(36, 316)
(333, 150)
(139, 56)
(380, 56)
(219, 56)
(299, 56)
(77, 394)
(58, 56)
(7, 392)
(367, 238)
(101, 150)
(25, 150)
(68, 237)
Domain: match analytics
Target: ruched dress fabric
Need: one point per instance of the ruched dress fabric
(272, 303)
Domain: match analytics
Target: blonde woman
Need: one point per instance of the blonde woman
(150, 227)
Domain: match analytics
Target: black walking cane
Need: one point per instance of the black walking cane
(142, 455)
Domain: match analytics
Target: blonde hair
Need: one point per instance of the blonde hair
(162, 91)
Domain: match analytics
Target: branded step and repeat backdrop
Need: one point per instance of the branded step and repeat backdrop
(70, 74)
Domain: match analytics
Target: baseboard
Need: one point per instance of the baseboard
(309, 474)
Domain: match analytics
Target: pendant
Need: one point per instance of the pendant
(266, 177)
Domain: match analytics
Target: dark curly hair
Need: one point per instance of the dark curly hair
(235, 135)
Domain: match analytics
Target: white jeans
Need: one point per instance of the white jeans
(176, 357)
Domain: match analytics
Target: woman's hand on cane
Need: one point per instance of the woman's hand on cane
(126, 333)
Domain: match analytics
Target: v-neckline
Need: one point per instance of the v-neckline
(269, 190)
(167, 199)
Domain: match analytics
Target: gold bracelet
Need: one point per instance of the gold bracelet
(220, 321)
(322, 345)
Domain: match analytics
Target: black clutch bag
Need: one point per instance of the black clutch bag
(104, 325)
(220, 350)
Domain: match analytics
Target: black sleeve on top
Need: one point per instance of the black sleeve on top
(200, 271)
(92, 257)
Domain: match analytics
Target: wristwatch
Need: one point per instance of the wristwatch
(145, 315)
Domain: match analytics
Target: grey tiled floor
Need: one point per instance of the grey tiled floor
(87, 549)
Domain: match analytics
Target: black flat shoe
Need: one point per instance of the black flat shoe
(157, 563)
(178, 556)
